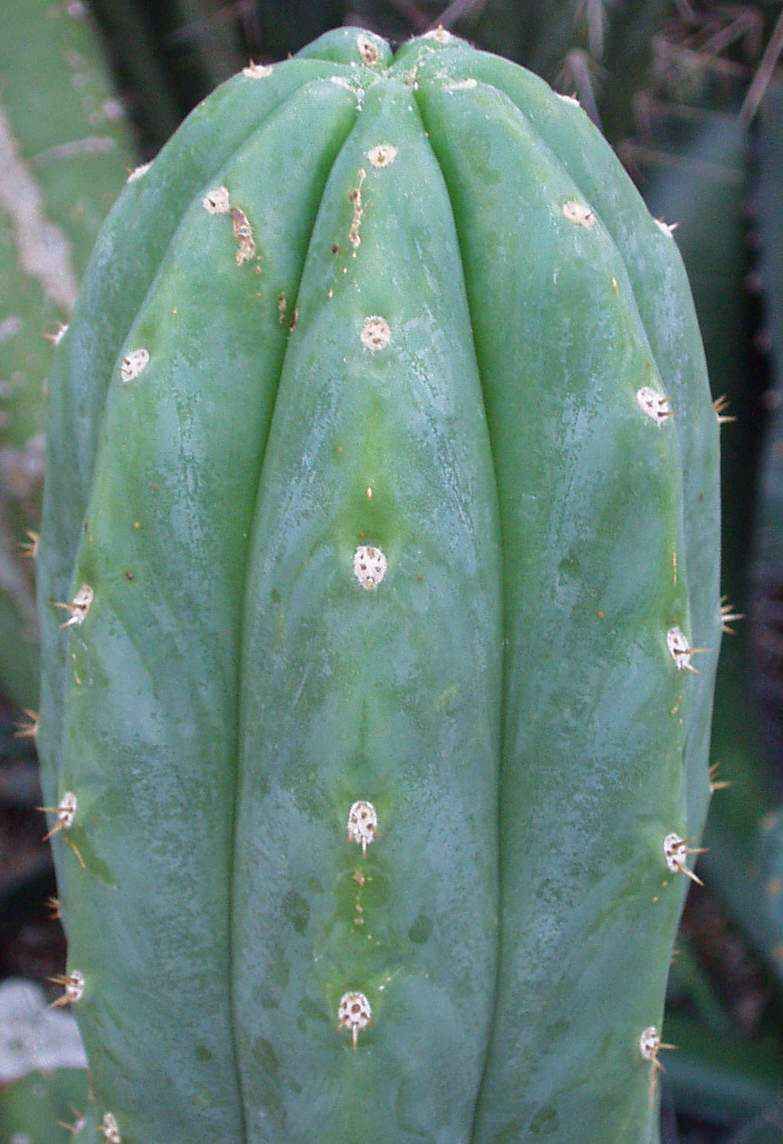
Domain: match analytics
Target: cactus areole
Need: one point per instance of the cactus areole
(379, 584)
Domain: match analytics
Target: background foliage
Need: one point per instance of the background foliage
(690, 95)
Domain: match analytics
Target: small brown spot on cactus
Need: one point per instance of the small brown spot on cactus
(568, 99)
(383, 155)
(257, 71)
(775, 887)
(358, 921)
(580, 214)
(717, 784)
(128, 574)
(376, 333)
(109, 1129)
(65, 812)
(654, 404)
(217, 201)
(601, 615)
(440, 34)
(460, 84)
(134, 363)
(78, 607)
(354, 1013)
(720, 405)
(355, 196)
(139, 172)
(368, 492)
(359, 878)
(243, 233)
(728, 616)
(73, 989)
(676, 851)
(335, 248)
(367, 49)
(137, 525)
(369, 566)
(681, 651)
(294, 319)
(282, 307)
(53, 905)
(362, 824)
(666, 227)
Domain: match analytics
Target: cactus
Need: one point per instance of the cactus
(65, 154)
(380, 538)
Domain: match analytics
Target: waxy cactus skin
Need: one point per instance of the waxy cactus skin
(387, 566)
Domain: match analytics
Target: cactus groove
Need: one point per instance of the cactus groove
(382, 468)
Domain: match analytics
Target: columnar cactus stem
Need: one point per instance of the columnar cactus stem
(382, 442)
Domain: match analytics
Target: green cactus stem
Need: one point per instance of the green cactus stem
(379, 564)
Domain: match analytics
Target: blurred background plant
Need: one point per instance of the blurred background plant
(690, 95)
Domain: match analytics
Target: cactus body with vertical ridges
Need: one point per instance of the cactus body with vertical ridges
(382, 517)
